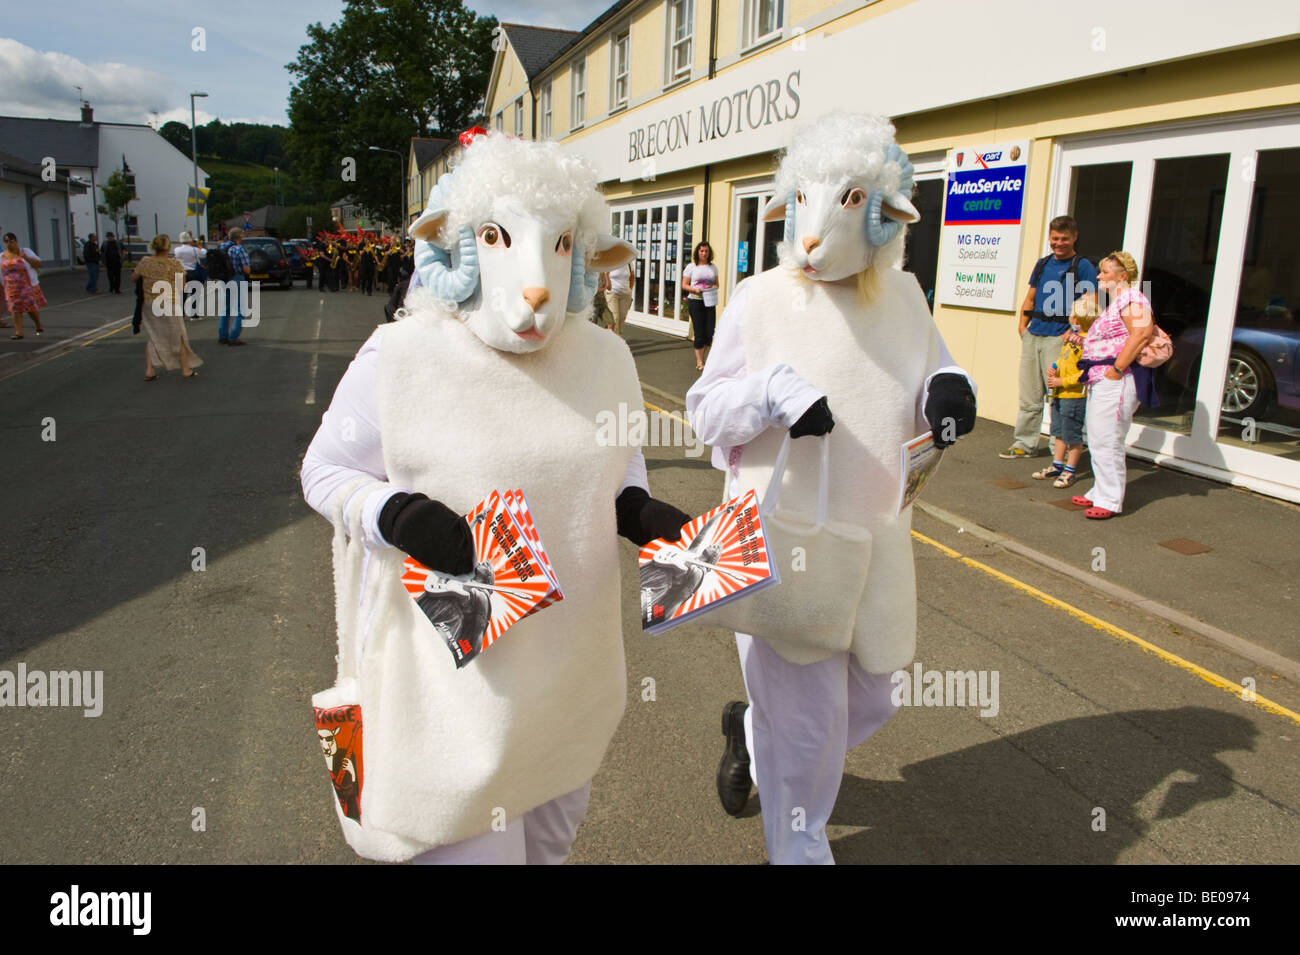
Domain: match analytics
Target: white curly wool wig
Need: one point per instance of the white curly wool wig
(540, 174)
(842, 146)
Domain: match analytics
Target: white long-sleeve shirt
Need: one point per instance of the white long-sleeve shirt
(348, 445)
(729, 406)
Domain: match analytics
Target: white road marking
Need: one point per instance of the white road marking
(315, 357)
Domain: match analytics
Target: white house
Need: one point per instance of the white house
(89, 152)
(35, 206)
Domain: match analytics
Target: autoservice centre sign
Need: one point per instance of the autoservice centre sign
(979, 245)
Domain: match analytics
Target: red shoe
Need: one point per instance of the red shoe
(1080, 501)
(1098, 513)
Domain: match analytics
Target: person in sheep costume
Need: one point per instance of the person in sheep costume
(491, 379)
(836, 327)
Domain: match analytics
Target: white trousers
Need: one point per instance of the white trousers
(801, 722)
(1110, 412)
(542, 836)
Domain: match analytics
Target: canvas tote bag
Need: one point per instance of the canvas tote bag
(813, 608)
(340, 710)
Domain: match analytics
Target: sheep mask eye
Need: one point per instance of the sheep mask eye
(525, 268)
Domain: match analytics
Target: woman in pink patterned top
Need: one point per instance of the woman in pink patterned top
(1115, 340)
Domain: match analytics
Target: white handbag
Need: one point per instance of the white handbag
(823, 568)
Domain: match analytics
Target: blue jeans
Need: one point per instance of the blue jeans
(230, 309)
(92, 276)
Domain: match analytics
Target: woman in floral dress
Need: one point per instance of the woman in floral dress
(162, 279)
(21, 293)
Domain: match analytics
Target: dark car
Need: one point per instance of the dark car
(299, 264)
(267, 261)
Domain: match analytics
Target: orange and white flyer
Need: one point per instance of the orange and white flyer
(721, 556)
(339, 730)
(518, 505)
(470, 612)
(919, 459)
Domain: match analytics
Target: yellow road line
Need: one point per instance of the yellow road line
(1213, 679)
(675, 417)
(66, 350)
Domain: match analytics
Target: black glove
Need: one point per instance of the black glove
(642, 519)
(949, 397)
(429, 531)
(815, 421)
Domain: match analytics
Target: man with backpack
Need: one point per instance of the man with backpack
(1056, 281)
(228, 263)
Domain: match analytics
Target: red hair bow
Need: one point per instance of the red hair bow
(470, 134)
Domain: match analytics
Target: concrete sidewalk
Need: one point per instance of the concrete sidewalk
(1243, 580)
(71, 313)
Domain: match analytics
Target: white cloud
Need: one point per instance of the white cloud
(43, 83)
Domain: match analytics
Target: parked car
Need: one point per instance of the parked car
(301, 267)
(267, 260)
(1263, 365)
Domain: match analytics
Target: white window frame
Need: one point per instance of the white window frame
(624, 36)
(749, 36)
(578, 94)
(672, 43)
(548, 119)
(519, 117)
(1198, 452)
(498, 120)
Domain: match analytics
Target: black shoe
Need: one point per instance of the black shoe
(234, 342)
(733, 771)
(223, 341)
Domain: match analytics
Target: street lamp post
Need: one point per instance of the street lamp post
(194, 155)
(401, 184)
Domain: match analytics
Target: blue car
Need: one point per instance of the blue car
(1263, 366)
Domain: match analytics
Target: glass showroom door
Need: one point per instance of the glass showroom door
(753, 241)
(660, 229)
(1207, 212)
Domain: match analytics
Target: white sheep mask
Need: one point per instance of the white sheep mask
(843, 189)
(523, 215)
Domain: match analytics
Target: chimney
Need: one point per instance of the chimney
(87, 114)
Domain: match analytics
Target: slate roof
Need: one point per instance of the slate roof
(69, 141)
(536, 47)
(16, 169)
(427, 150)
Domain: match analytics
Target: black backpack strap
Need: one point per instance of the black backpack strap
(1037, 274)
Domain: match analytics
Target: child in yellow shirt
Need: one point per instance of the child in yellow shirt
(1069, 397)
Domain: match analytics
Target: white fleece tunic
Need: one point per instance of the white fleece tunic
(802, 339)
(529, 719)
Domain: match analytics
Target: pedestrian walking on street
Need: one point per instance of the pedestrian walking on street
(1057, 280)
(700, 279)
(90, 252)
(232, 318)
(112, 255)
(1113, 344)
(160, 278)
(191, 259)
(22, 291)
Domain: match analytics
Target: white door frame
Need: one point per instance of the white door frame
(1240, 139)
(678, 327)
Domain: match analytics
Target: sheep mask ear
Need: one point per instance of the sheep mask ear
(781, 207)
(888, 213)
(610, 253)
(451, 278)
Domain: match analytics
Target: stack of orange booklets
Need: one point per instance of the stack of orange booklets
(512, 578)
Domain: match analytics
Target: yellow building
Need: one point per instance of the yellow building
(1169, 128)
(426, 160)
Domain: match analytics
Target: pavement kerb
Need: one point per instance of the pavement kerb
(1229, 641)
(1265, 658)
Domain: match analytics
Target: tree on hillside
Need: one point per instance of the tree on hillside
(178, 134)
(385, 72)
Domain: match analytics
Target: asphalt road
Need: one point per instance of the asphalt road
(208, 673)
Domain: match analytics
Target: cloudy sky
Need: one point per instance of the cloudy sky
(135, 63)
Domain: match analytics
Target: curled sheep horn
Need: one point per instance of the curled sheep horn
(582, 280)
(886, 214)
(781, 206)
(449, 280)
